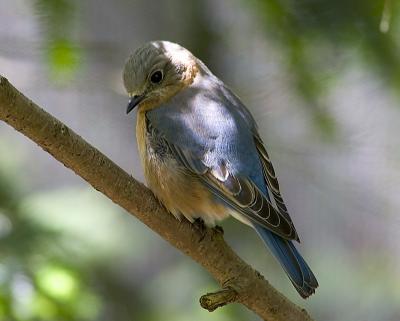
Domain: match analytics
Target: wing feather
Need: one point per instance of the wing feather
(270, 178)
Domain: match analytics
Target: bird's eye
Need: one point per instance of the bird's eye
(156, 77)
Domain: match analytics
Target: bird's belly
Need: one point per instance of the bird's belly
(180, 191)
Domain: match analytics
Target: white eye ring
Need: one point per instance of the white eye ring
(156, 77)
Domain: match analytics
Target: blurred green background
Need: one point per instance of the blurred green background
(321, 77)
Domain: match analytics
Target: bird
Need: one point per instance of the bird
(202, 154)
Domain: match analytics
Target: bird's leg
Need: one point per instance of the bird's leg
(201, 227)
(219, 229)
(199, 224)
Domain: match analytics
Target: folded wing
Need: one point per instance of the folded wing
(239, 193)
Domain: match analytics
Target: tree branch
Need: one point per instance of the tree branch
(212, 301)
(240, 282)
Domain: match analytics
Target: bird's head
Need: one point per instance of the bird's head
(157, 71)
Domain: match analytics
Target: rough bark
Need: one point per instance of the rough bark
(239, 281)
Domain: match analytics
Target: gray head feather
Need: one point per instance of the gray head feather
(172, 59)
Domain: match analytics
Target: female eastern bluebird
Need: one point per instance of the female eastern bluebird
(202, 154)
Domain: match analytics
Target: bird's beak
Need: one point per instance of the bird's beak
(133, 102)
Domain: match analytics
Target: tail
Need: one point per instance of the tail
(292, 262)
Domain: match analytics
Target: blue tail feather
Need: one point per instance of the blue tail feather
(292, 262)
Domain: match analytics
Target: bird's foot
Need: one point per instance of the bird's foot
(199, 224)
(219, 229)
(201, 227)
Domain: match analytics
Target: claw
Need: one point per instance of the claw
(199, 225)
(219, 229)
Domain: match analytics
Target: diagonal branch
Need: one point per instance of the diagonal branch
(240, 282)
